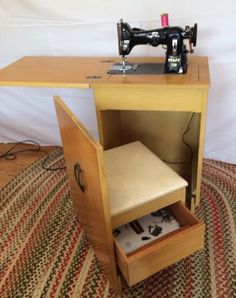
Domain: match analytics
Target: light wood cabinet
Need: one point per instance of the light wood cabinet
(111, 188)
(153, 109)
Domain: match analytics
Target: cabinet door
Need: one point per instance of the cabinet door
(85, 168)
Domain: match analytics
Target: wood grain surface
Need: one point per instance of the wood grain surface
(86, 72)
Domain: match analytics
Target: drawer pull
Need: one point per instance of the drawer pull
(78, 176)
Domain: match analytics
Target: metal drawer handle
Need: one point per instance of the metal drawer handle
(78, 176)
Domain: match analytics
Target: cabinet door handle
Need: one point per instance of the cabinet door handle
(78, 176)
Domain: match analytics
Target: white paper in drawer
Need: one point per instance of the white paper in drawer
(145, 229)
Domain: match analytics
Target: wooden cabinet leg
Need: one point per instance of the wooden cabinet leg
(201, 146)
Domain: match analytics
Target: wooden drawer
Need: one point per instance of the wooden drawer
(164, 251)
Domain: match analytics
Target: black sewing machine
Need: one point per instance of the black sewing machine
(172, 38)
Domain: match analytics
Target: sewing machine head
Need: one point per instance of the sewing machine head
(172, 38)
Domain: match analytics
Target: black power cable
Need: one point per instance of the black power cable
(186, 144)
(50, 168)
(11, 155)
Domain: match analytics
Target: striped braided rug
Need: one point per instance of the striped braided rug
(44, 252)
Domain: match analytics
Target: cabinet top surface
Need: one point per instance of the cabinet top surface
(90, 72)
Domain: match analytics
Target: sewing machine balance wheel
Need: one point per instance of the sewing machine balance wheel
(194, 35)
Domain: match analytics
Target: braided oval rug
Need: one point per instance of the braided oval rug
(44, 252)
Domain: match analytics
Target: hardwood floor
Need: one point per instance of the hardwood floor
(10, 168)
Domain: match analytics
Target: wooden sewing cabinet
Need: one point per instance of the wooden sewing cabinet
(154, 109)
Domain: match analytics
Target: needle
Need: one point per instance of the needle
(123, 65)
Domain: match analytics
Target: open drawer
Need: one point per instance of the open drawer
(164, 251)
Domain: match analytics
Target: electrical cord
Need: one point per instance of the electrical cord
(186, 144)
(183, 138)
(50, 168)
(189, 194)
(11, 155)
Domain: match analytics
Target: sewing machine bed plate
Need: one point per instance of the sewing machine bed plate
(137, 69)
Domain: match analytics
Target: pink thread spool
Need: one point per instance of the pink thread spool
(164, 20)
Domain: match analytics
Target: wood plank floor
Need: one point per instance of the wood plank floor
(10, 168)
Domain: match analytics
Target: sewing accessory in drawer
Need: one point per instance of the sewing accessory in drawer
(163, 250)
(145, 229)
(155, 230)
(136, 226)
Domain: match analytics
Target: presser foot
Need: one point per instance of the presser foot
(123, 67)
